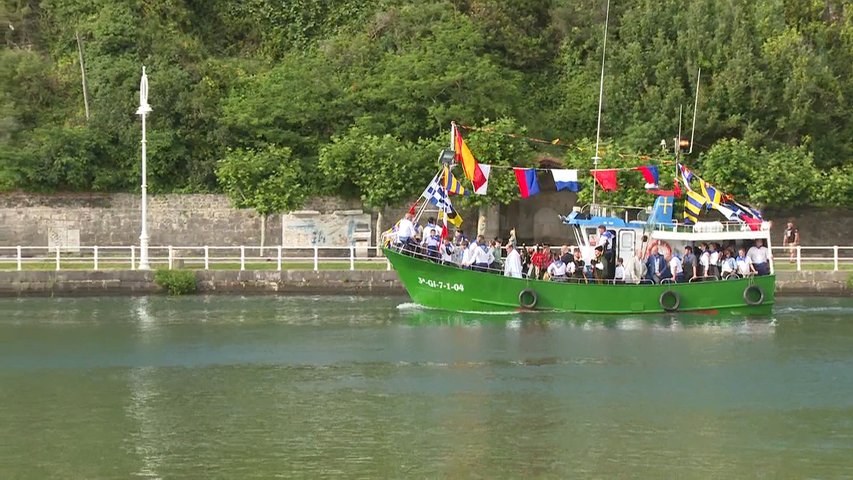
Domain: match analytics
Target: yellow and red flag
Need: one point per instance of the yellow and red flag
(478, 176)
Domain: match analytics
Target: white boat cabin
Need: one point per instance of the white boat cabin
(637, 230)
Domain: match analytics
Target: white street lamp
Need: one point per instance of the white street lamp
(143, 110)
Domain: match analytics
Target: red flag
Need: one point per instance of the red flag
(606, 178)
(444, 232)
(754, 223)
(675, 192)
(412, 208)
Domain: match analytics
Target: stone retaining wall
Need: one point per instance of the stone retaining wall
(130, 282)
(814, 282)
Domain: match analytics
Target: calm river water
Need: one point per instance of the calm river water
(265, 387)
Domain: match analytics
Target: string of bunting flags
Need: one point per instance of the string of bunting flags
(527, 178)
(706, 196)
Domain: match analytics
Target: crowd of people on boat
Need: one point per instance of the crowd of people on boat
(652, 262)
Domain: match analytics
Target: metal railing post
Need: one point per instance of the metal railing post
(835, 257)
(57, 259)
(95, 257)
(799, 260)
(20, 259)
(171, 256)
(132, 257)
(316, 259)
(351, 257)
(278, 259)
(206, 257)
(242, 257)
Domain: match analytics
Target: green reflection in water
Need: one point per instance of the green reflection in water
(259, 387)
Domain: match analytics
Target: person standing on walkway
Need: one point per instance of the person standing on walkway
(791, 240)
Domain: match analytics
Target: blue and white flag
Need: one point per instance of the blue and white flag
(437, 195)
(566, 180)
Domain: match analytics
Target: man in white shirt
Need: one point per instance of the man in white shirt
(512, 263)
(635, 270)
(705, 261)
(557, 270)
(406, 231)
(713, 260)
(758, 255)
(676, 268)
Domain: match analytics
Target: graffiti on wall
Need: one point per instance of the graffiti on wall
(336, 229)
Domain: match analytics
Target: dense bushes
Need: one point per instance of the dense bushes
(259, 80)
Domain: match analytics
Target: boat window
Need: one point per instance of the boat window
(592, 235)
(626, 240)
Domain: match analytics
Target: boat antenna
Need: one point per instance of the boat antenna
(695, 106)
(596, 158)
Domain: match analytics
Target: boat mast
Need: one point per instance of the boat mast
(695, 106)
(596, 158)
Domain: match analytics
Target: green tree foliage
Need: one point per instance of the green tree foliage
(382, 170)
(785, 177)
(234, 81)
(268, 180)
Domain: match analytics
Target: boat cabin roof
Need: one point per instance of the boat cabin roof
(658, 221)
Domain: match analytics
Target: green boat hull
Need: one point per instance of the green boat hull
(433, 285)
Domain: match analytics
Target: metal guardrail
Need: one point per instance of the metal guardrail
(813, 256)
(709, 227)
(314, 257)
(201, 257)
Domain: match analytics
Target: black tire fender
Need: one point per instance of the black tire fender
(676, 300)
(747, 295)
(530, 294)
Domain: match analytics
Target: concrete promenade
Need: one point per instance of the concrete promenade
(368, 282)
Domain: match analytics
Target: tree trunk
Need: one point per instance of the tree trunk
(379, 232)
(263, 232)
(483, 219)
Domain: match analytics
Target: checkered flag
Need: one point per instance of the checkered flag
(437, 195)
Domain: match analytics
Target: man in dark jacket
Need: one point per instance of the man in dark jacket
(657, 268)
(600, 266)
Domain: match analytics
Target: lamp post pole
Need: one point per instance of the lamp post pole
(143, 110)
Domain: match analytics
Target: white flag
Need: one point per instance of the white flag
(486, 169)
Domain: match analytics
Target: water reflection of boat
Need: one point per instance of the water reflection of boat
(529, 321)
